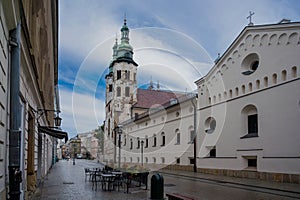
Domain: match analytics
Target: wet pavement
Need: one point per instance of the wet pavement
(67, 181)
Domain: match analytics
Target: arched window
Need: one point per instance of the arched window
(274, 78)
(283, 75)
(243, 89)
(131, 143)
(225, 94)
(250, 87)
(127, 75)
(154, 140)
(209, 100)
(266, 81)
(249, 121)
(294, 72)
(257, 84)
(236, 91)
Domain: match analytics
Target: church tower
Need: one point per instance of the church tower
(121, 83)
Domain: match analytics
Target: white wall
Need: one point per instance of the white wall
(277, 102)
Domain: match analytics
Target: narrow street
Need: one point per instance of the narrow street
(67, 181)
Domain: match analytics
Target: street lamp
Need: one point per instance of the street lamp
(119, 131)
(142, 145)
(74, 153)
(57, 119)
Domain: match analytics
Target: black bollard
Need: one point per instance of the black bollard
(157, 187)
(73, 161)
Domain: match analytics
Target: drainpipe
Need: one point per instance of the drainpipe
(15, 175)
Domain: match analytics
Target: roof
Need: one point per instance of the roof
(148, 98)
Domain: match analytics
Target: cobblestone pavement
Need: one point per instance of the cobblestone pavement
(67, 181)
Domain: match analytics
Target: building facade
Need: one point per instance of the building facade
(151, 115)
(247, 111)
(90, 147)
(249, 105)
(29, 94)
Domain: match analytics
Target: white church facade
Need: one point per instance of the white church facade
(246, 112)
(249, 105)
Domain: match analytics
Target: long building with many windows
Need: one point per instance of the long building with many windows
(245, 113)
(28, 95)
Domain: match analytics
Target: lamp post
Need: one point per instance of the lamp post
(142, 145)
(74, 154)
(194, 102)
(119, 131)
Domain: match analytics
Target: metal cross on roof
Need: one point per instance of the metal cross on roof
(250, 18)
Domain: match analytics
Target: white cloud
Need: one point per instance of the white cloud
(80, 112)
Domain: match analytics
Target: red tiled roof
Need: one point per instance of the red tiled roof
(148, 98)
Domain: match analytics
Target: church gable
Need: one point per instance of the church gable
(253, 61)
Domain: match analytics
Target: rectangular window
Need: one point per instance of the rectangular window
(252, 162)
(154, 142)
(178, 161)
(252, 124)
(192, 161)
(127, 90)
(138, 143)
(118, 91)
(163, 140)
(118, 74)
(178, 138)
(146, 145)
(212, 153)
(127, 75)
(110, 87)
(192, 136)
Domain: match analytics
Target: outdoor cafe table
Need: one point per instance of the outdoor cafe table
(138, 177)
(107, 180)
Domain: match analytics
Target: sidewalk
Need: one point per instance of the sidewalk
(288, 187)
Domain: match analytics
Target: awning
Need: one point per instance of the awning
(53, 132)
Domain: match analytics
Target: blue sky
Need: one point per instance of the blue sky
(174, 42)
